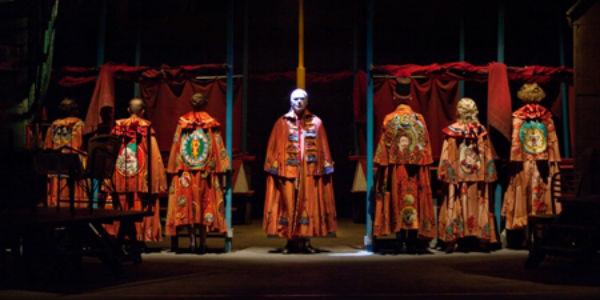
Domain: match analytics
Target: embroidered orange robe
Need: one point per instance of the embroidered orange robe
(403, 191)
(198, 162)
(536, 155)
(65, 132)
(299, 198)
(466, 168)
(131, 173)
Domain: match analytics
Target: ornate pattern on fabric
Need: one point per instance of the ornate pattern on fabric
(533, 137)
(535, 155)
(195, 148)
(131, 174)
(403, 199)
(130, 160)
(65, 134)
(198, 162)
(466, 168)
(299, 200)
(404, 139)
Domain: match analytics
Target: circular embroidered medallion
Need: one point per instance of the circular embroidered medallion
(194, 148)
(409, 215)
(130, 160)
(185, 179)
(181, 201)
(209, 218)
(407, 133)
(469, 159)
(409, 200)
(534, 137)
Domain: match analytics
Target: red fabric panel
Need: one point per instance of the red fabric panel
(359, 94)
(167, 101)
(104, 95)
(73, 81)
(499, 108)
(436, 100)
(572, 118)
(466, 71)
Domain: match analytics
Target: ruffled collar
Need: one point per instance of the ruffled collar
(198, 119)
(465, 130)
(532, 111)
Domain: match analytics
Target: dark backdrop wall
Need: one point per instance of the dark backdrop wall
(194, 32)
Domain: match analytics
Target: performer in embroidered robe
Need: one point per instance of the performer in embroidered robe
(66, 134)
(535, 156)
(198, 162)
(403, 203)
(299, 199)
(131, 171)
(466, 168)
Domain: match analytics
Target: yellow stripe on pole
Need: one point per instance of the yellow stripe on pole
(301, 71)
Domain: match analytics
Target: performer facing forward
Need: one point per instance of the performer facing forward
(299, 200)
(198, 163)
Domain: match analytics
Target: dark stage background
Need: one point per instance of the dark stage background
(405, 32)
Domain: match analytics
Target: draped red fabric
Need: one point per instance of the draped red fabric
(167, 100)
(499, 108)
(467, 71)
(103, 96)
(104, 91)
(436, 100)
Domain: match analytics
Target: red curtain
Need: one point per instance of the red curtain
(168, 100)
(499, 108)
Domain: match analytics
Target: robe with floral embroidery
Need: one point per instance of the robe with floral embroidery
(198, 162)
(466, 168)
(535, 156)
(131, 173)
(403, 192)
(66, 135)
(299, 199)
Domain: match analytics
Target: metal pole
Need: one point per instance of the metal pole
(500, 49)
(100, 46)
(245, 80)
(101, 38)
(461, 50)
(368, 239)
(229, 121)
(355, 71)
(300, 70)
(500, 58)
(138, 46)
(564, 97)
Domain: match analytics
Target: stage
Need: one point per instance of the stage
(344, 271)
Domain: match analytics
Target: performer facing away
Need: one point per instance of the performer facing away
(198, 163)
(299, 199)
(131, 172)
(403, 203)
(66, 135)
(534, 155)
(466, 168)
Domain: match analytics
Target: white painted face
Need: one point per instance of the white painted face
(299, 100)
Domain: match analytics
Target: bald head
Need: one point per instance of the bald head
(136, 106)
(199, 101)
(68, 107)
